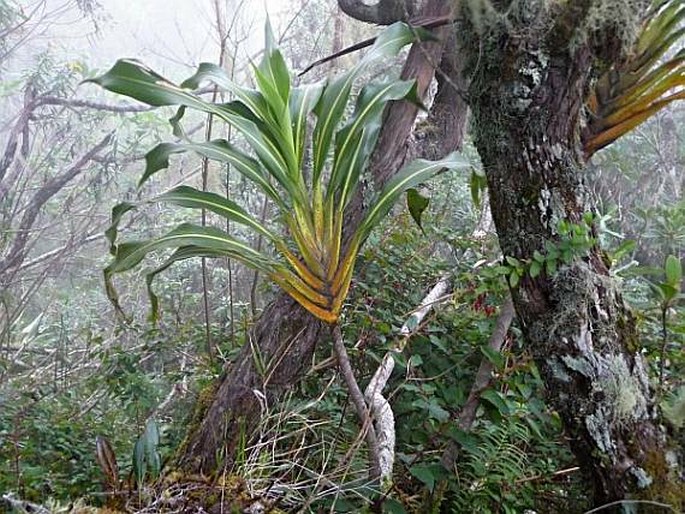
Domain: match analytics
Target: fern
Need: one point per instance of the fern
(490, 468)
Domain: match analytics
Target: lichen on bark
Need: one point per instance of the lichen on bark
(530, 74)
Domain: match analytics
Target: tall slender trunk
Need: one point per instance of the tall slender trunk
(526, 97)
(284, 338)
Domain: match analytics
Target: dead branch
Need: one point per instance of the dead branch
(17, 252)
(481, 382)
(52, 253)
(427, 22)
(383, 416)
(77, 103)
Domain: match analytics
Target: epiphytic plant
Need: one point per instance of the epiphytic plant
(315, 267)
(632, 91)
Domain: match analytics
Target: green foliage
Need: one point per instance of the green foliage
(479, 184)
(493, 462)
(417, 203)
(272, 120)
(434, 375)
(674, 408)
(49, 427)
(669, 289)
(47, 444)
(574, 241)
(76, 380)
(146, 459)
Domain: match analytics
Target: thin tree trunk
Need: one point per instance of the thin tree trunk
(526, 97)
(283, 340)
(483, 379)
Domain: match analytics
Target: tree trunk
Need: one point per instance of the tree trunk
(526, 94)
(284, 339)
(279, 349)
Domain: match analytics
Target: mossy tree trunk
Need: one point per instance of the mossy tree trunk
(279, 349)
(530, 71)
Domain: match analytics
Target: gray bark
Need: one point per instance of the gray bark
(383, 12)
(526, 95)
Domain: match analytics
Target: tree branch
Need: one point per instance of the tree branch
(384, 418)
(17, 252)
(425, 22)
(481, 382)
(75, 102)
(47, 255)
(384, 12)
(358, 401)
(18, 129)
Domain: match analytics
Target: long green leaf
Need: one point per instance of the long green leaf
(132, 78)
(271, 123)
(186, 196)
(303, 99)
(329, 111)
(660, 25)
(270, 152)
(182, 253)
(392, 40)
(348, 167)
(274, 80)
(409, 176)
(331, 106)
(130, 254)
(368, 113)
(218, 150)
(215, 74)
(273, 66)
(281, 126)
(111, 233)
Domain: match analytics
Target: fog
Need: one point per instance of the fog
(170, 35)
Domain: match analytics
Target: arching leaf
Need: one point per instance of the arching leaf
(218, 150)
(186, 196)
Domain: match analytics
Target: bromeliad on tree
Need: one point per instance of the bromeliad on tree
(634, 90)
(315, 267)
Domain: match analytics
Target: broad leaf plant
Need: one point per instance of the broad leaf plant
(288, 130)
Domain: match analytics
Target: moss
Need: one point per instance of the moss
(666, 486)
(611, 27)
(673, 408)
(202, 404)
(625, 326)
(623, 390)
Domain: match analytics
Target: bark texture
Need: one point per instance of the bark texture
(530, 70)
(278, 352)
(285, 336)
(384, 12)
